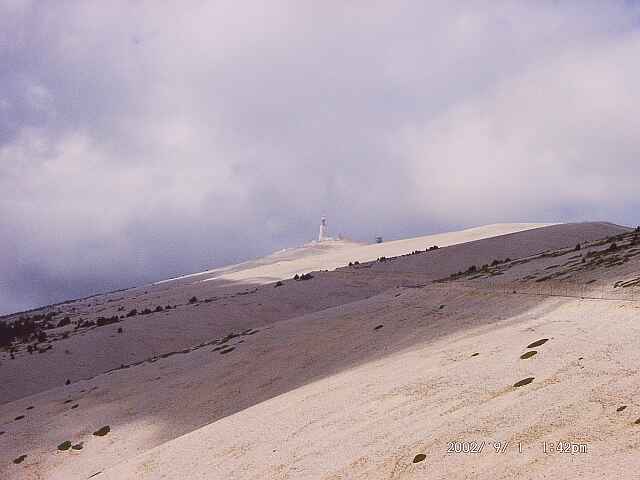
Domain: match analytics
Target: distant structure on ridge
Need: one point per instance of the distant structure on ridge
(324, 232)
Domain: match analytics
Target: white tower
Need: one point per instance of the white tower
(323, 235)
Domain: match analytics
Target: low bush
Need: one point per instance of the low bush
(102, 321)
(65, 321)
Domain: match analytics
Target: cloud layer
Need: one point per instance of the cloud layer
(144, 139)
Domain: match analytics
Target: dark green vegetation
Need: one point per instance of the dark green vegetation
(537, 343)
(419, 458)
(304, 276)
(20, 459)
(523, 382)
(529, 354)
(102, 431)
(66, 445)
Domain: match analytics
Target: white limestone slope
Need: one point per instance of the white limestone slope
(337, 253)
(347, 375)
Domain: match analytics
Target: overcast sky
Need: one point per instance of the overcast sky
(141, 139)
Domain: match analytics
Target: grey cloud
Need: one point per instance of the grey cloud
(140, 140)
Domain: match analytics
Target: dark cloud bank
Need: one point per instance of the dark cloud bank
(143, 139)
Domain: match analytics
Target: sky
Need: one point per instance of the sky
(144, 139)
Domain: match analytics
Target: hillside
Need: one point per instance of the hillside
(349, 374)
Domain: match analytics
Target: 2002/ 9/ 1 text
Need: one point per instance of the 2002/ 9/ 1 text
(473, 447)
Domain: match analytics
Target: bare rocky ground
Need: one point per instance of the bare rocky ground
(353, 373)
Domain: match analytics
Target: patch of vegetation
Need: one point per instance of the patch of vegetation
(20, 459)
(621, 408)
(132, 313)
(102, 321)
(23, 329)
(378, 327)
(304, 276)
(66, 445)
(419, 458)
(537, 343)
(102, 431)
(193, 299)
(529, 354)
(65, 321)
(278, 284)
(78, 446)
(227, 350)
(523, 382)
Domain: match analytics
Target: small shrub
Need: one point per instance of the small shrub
(193, 299)
(132, 313)
(102, 321)
(278, 284)
(68, 382)
(356, 262)
(472, 269)
(119, 329)
(296, 277)
(613, 247)
(102, 431)
(64, 321)
(66, 445)
(578, 247)
(159, 308)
